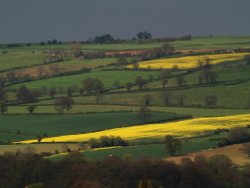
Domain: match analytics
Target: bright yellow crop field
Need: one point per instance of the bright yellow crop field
(185, 128)
(189, 61)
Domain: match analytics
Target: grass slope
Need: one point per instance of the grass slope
(54, 125)
(151, 150)
(107, 77)
(184, 128)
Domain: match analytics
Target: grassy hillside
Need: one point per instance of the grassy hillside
(69, 65)
(150, 150)
(116, 112)
(20, 59)
(229, 96)
(184, 128)
(54, 125)
(203, 42)
(107, 77)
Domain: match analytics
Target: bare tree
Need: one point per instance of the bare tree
(128, 86)
(173, 145)
(147, 99)
(180, 80)
(52, 92)
(140, 82)
(181, 100)
(164, 83)
(2, 94)
(25, 95)
(144, 114)
(3, 107)
(166, 97)
(69, 91)
(63, 103)
(81, 91)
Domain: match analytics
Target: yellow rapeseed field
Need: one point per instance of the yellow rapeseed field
(184, 128)
(189, 61)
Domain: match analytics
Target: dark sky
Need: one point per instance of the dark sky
(66, 20)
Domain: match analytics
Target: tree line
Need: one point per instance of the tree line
(28, 170)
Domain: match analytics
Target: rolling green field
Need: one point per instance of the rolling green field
(76, 109)
(107, 77)
(118, 108)
(237, 96)
(54, 125)
(13, 137)
(93, 47)
(203, 42)
(228, 71)
(196, 112)
(150, 150)
(67, 66)
(20, 59)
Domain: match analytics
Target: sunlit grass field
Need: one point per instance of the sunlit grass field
(228, 96)
(149, 150)
(55, 125)
(66, 66)
(107, 77)
(184, 128)
(17, 59)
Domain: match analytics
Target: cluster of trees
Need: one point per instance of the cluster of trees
(104, 39)
(26, 170)
(107, 141)
(49, 42)
(93, 85)
(3, 97)
(173, 145)
(210, 101)
(169, 99)
(13, 76)
(25, 95)
(235, 136)
(92, 55)
(63, 103)
(163, 51)
(207, 75)
(144, 35)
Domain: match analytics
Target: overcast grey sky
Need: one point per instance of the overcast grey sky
(66, 20)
